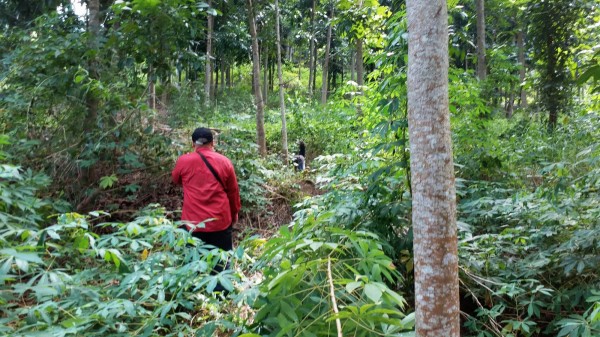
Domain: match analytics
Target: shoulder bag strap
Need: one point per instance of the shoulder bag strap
(212, 170)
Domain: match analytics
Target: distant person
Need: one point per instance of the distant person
(210, 192)
(300, 159)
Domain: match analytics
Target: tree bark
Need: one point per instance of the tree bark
(432, 172)
(151, 89)
(165, 93)
(229, 84)
(312, 69)
(208, 64)
(265, 73)
(352, 63)
(510, 102)
(258, 99)
(214, 87)
(360, 72)
(481, 65)
(284, 144)
(360, 76)
(314, 65)
(326, 62)
(522, 67)
(94, 29)
(223, 72)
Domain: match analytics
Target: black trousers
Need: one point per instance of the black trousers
(222, 239)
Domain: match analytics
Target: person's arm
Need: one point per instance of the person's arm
(176, 174)
(233, 194)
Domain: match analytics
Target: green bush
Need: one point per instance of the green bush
(146, 277)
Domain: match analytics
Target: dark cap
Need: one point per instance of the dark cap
(202, 136)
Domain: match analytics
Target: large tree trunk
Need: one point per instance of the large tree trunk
(481, 66)
(312, 69)
(284, 144)
(258, 99)
(326, 62)
(208, 64)
(432, 171)
(522, 67)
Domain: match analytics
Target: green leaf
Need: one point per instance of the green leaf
(409, 321)
(79, 78)
(373, 292)
(351, 286)
(108, 181)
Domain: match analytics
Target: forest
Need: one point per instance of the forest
(451, 183)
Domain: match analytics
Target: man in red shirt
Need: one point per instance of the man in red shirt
(211, 197)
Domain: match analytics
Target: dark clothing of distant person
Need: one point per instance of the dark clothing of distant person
(300, 159)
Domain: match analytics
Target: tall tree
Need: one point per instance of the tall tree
(481, 65)
(258, 99)
(312, 69)
(208, 61)
(284, 144)
(94, 45)
(553, 28)
(522, 67)
(432, 171)
(326, 60)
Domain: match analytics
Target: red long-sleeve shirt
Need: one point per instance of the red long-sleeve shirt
(203, 196)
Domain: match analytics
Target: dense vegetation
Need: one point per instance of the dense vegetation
(94, 110)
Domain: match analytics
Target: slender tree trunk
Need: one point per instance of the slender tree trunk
(94, 29)
(360, 76)
(229, 84)
(215, 88)
(522, 68)
(551, 95)
(284, 144)
(258, 99)
(314, 65)
(510, 103)
(326, 62)
(265, 73)
(312, 69)
(164, 96)
(223, 72)
(151, 89)
(208, 64)
(481, 65)
(271, 76)
(432, 172)
(352, 62)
